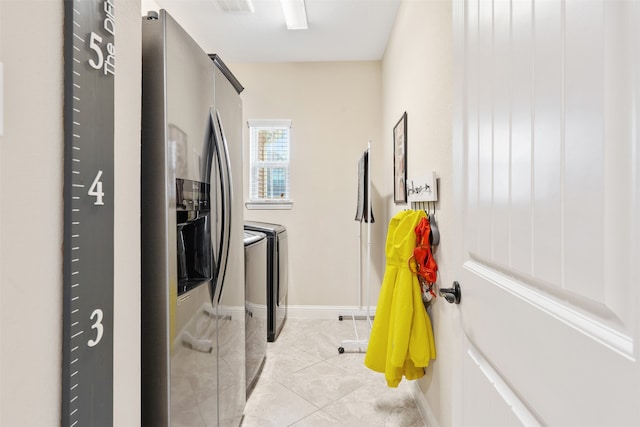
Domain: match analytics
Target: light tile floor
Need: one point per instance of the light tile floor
(306, 383)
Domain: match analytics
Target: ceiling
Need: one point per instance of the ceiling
(339, 30)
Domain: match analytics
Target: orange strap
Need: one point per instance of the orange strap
(426, 267)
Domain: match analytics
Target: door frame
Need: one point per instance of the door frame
(459, 206)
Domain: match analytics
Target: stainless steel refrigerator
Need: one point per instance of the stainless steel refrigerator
(193, 305)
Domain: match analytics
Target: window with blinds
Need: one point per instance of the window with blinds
(270, 154)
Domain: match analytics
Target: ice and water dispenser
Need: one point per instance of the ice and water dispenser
(193, 234)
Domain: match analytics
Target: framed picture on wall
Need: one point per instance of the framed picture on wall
(400, 160)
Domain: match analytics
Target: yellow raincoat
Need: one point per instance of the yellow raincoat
(401, 341)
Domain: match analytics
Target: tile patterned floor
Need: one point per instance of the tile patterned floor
(306, 383)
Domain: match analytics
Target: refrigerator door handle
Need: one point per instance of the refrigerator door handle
(224, 168)
(216, 163)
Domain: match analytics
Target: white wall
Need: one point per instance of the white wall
(417, 78)
(147, 5)
(31, 209)
(336, 109)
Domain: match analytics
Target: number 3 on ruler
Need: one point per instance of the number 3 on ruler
(97, 325)
(96, 189)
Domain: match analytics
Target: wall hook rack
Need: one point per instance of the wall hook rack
(423, 188)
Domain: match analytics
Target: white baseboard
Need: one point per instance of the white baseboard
(325, 311)
(423, 407)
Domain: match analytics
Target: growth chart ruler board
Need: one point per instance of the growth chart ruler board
(87, 370)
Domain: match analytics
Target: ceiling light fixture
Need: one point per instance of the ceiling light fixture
(295, 14)
(235, 6)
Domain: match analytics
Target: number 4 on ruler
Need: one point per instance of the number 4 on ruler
(96, 189)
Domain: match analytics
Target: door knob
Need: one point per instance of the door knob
(452, 295)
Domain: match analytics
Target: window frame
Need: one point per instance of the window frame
(254, 165)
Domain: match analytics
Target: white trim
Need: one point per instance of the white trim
(589, 326)
(269, 205)
(509, 398)
(325, 311)
(269, 123)
(423, 406)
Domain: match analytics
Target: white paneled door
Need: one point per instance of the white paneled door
(547, 164)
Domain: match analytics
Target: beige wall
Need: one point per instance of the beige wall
(126, 346)
(31, 213)
(31, 209)
(417, 78)
(335, 109)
